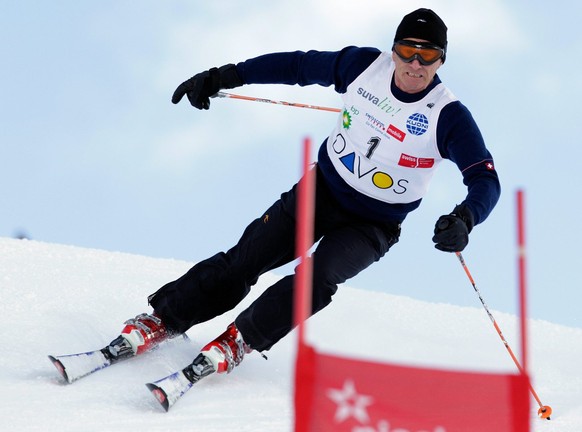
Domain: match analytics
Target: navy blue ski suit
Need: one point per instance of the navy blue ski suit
(353, 230)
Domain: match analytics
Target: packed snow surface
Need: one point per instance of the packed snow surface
(60, 299)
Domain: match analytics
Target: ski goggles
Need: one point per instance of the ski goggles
(425, 52)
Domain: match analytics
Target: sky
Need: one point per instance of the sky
(93, 153)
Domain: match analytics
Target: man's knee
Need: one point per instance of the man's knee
(325, 283)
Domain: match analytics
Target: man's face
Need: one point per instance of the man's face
(413, 77)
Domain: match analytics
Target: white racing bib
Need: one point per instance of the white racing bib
(384, 148)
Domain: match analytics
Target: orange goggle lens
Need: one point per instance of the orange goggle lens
(425, 53)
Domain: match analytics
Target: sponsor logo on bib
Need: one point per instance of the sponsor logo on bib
(417, 124)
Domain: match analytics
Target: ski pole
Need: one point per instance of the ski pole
(277, 102)
(544, 411)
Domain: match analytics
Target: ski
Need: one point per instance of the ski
(75, 366)
(170, 389)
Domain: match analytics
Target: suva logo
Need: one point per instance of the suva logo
(417, 124)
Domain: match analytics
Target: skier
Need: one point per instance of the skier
(399, 122)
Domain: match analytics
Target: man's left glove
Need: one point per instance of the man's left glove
(202, 86)
(451, 232)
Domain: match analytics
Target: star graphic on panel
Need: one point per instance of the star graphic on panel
(350, 403)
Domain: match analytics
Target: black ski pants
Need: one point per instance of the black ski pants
(347, 245)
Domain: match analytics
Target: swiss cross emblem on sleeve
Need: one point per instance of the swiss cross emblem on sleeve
(489, 166)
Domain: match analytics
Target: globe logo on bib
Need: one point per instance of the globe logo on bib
(417, 124)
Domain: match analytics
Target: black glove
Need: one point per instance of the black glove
(451, 232)
(200, 87)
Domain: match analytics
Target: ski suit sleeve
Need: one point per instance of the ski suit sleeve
(460, 140)
(325, 68)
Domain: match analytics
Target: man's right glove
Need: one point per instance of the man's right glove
(202, 86)
(451, 232)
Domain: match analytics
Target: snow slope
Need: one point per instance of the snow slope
(59, 299)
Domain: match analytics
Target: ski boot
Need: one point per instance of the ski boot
(219, 356)
(139, 335)
(226, 351)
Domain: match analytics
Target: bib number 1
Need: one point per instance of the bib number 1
(373, 143)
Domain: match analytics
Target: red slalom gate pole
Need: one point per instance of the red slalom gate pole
(303, 283)
(521, 261)
(304, 239)
(276, 102)
(544, 411)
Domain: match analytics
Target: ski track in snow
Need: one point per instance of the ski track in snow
(60, 299)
